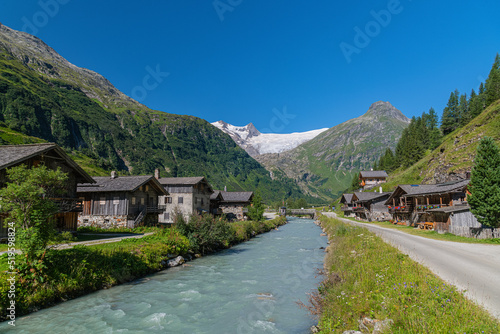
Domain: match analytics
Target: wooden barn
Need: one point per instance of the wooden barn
(347, 205)
(409, 202)
(459, 220)
(53, 157)
(121, 201)
(370, 206)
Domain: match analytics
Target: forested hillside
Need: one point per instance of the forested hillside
(431, 154)
(109, 131)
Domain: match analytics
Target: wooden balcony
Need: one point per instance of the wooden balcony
(346, 208)
(400, 209)
(69, 204)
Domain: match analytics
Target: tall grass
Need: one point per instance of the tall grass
(368, 278)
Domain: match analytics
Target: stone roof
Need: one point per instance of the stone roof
(237, 197)
(12, 155)
(417, 190)
(216, 195)
(189, 181)
(120, 183)
(366, 197)
(373, 173)
(346, 198)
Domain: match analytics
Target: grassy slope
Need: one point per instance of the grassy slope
(455, 154)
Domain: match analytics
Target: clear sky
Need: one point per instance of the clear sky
(285, 65)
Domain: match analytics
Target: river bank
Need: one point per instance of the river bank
(251, 287)
(78, 271)
(368, 282)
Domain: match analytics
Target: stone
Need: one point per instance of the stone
(352, 332)
(175, 262)
(383, 326)
(315, 329)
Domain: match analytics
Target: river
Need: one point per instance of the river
(251, 288)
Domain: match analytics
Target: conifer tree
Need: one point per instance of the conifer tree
(463, 110)
(475, 107)
(485, 184)
(433, 128)
(492, 88)
(449, 120)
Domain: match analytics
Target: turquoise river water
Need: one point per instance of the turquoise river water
(250, 288)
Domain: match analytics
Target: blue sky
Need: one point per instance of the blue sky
(286, 66)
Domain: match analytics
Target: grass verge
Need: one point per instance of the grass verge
(368, 278)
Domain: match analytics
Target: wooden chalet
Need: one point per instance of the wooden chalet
(370, 205)
(215, 200)
(53, 157)
(187, 195)
(121, 201)
(347, 205)
(409, 202)
(235, 204)
(371, 179)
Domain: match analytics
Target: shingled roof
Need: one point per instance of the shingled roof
(190, 181)
(373, 173)
(366, 197)
(417, 190)
(236, 197)
(216, 195)
(120, 183)
(12, 155)
(449, 209)
(346, 198)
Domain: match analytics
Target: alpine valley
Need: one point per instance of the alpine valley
(43, 97)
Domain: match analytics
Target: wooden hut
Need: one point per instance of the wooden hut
(121, 201)
(53, 157)
(370, 206)
(347, 205)
(409, 202)
(372, 178)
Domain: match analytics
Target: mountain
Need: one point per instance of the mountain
(256, 143)
(43, 95)
(454, 158)
(324, 166)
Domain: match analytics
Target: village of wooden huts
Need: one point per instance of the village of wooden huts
(121, 201)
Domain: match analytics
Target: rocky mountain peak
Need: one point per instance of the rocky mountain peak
(38, 56)
(385, 109)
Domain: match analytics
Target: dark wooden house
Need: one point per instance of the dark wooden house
(347, 205)
(370, 206)
(187, 195)
(215, 200)
(121, 201)
(53, 157)
(409, 202)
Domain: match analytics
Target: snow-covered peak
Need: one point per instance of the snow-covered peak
(256, 143)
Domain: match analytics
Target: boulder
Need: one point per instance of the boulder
(175, 262)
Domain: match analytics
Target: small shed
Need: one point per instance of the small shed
(459, 220)
(347, 205)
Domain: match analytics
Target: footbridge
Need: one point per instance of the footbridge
(301, 212)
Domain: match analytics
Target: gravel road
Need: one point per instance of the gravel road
(474, 268)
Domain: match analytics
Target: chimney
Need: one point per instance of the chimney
(371, 169)
(380, 189)
(157, 174)
(113, 174)
(225, 188)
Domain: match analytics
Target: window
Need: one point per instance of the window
(133, 200)
(142, 201)
(180, 200)
(166, 215)
(102, 201)
(168, 200)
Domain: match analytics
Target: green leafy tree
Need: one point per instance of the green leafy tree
(26, 199)
(256, 210)
(485, 184)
